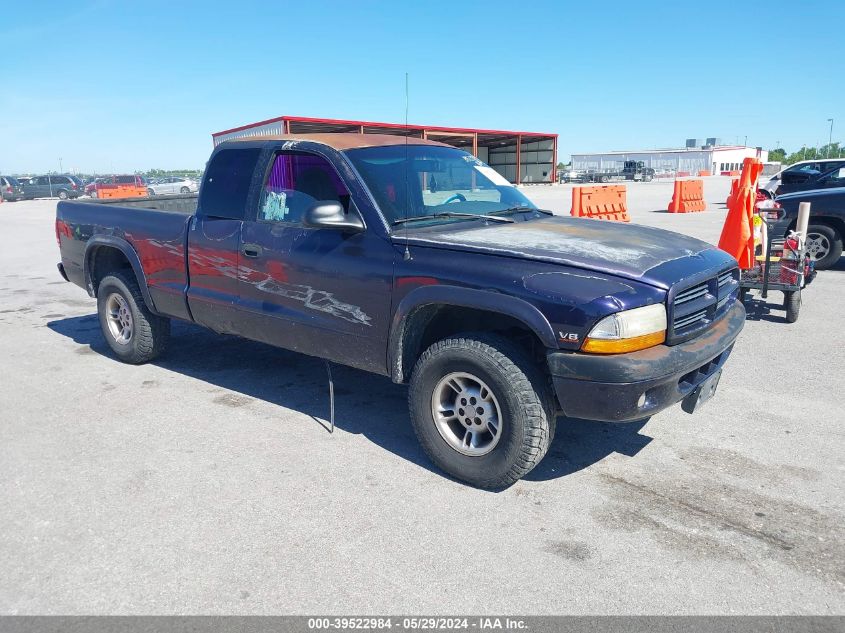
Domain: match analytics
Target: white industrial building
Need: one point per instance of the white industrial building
(713, 158)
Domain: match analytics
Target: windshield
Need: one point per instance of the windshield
(410, 181)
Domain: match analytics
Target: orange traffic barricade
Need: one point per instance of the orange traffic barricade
(688, 197)
(703, 172)
(734, 187)
(122, 191)
(600, 203)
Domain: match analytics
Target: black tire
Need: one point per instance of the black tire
(527, 416)
(792, 303)
(150, 192)
(149, 333)
(743, 295)
(184, 190)
(829, 237)
(63, 195)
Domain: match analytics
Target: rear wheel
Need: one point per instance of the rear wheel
(824, 245)
(63, 195)
(134, 334)
(792, 303)
(481, 410)
(150, 192)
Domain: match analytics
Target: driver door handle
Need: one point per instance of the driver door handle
(251, 250)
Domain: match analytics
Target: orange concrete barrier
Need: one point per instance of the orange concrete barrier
(687, 197)
(703, 172)
(734, 187)
(600, 203)
(122, 191)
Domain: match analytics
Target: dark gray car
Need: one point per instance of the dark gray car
(54, 186)
(10, 189)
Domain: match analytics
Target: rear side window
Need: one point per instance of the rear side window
(295, 182)
(227, 181)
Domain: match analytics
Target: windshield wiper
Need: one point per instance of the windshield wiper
(452, 214)
(521, 209)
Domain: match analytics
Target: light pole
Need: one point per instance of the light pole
(60, 166)
(830, 138)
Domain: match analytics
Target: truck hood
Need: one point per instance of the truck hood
(654, 256)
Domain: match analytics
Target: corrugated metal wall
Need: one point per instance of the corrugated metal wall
(659, 161)
(275, 127)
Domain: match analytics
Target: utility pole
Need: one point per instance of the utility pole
(830, 138)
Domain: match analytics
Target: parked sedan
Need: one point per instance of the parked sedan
(10, 189)
(173, 184)
(827, 222)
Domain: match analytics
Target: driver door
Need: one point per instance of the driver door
(321, 291)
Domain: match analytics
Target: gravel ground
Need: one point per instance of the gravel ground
(207, 483)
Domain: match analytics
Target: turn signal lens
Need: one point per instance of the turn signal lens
(628, 331)
(600, 346)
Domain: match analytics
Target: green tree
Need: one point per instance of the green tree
(777, 155)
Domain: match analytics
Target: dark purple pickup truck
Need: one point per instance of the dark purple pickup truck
(415, 260)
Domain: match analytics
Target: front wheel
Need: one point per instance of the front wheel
(481, 410)
(184, 190)
(824, 245)
(134, 334)
(792, 303)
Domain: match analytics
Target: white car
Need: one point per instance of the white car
(173, 184)
(819, 165)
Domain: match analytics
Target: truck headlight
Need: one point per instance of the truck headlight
(628, 331)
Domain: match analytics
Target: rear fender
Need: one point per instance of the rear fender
(124, 247)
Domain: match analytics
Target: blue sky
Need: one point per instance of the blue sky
(120, 86)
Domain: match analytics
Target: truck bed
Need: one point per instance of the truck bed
(149, 233)
(180, 203)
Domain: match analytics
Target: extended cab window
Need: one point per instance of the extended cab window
(294, 183)
(227, 181)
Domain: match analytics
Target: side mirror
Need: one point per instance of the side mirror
(327, 214)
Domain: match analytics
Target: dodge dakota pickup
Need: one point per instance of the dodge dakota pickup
(415, 260)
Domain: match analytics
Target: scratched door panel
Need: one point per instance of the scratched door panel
(318, 291)
(213, 247)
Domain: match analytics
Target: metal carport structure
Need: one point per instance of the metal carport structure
(532, 155)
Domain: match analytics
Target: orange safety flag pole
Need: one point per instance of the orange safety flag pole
(737, 233)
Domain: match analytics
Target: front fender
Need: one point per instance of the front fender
(485, 300)
(128, 251)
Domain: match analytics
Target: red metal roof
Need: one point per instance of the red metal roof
(420, 128)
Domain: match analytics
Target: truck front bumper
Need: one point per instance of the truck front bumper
(624, 387)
